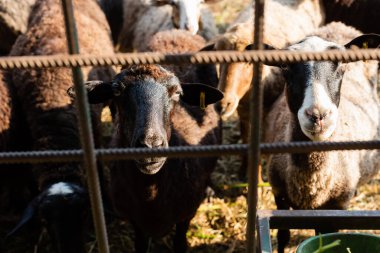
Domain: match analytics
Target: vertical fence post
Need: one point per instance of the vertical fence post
(86, 132)
(256, 101)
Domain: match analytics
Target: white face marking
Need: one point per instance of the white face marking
(314, 44)
(318, 115)
(318, 101)
(189, 14)
(60, 188)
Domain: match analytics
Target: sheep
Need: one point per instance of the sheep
(286, 21)
(279, 31)
(144, 18)
(149, 113)
(13, 21)
(51, 115)
(153, 110)
(324, 101)
(362, 15)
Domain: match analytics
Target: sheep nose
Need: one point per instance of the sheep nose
(315, 115)
(191, 28)
(152, 141)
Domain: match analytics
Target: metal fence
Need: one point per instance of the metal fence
(88, 154)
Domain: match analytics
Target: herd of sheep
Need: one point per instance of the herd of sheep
(157, 106)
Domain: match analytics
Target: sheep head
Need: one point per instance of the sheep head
(313, 87)
(234, 78)
(186, 14)
(144, 97)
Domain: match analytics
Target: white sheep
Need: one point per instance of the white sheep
(324, 101)
(144, 18)
(286, 21)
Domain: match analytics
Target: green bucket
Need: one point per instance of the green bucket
(349, 243)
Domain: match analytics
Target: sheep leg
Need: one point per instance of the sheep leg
(244, 130)
(179, 240)
(243, 112)
(283, 235)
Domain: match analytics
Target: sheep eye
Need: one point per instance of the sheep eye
(177, 95)
(173, 2)
(116, 93)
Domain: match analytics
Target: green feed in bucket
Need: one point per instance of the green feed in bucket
(349, 243)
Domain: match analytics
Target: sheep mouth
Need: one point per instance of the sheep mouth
(318, 134)
(150, 166)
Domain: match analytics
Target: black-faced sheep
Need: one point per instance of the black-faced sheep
(324, 101)
(155, 194)
(286, 21)
(144, 18)
(51, 115)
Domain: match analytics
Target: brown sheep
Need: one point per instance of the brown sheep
(155, 194)
(51, 115)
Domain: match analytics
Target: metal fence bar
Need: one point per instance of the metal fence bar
(51, 61)
(263, 234)
(255, 112)
(181, 151)
(86, 138)
(332, 219)
(312, 219)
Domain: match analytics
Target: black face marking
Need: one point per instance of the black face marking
(299, 76)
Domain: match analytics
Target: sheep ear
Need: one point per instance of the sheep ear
(209, 47)
(28, 215)
(159, 2)
(97, 91)
(269, 47)
(211, 1)
(266, 47)
(201, 95)
(371, 40)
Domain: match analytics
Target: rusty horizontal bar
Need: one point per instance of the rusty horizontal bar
(321, 219)
(181, 151)
(310, 146)
(22, 62)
